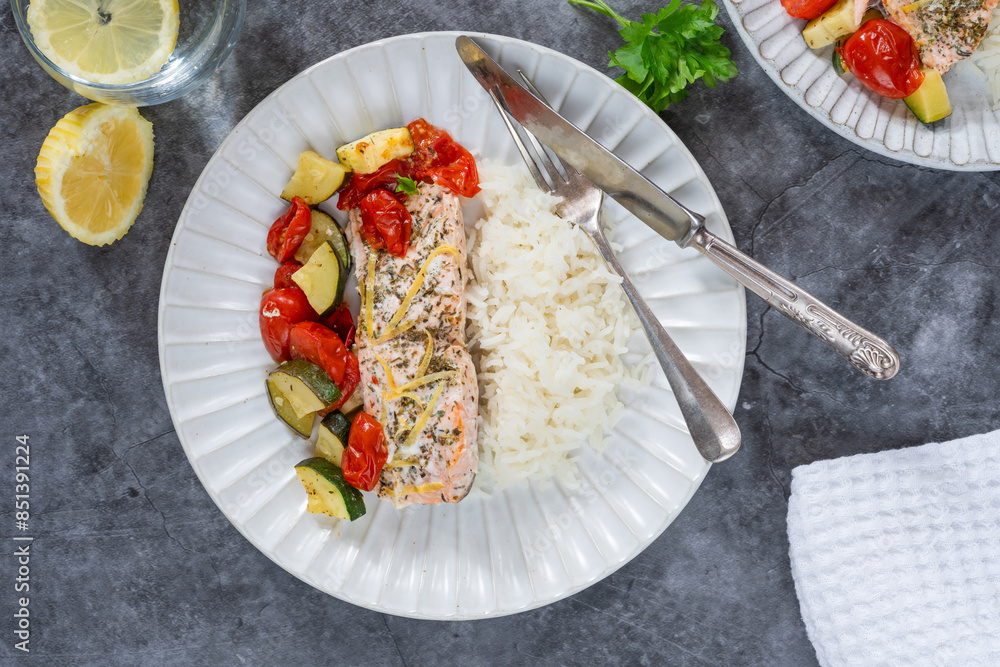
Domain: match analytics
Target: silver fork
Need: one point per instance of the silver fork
(712, 428)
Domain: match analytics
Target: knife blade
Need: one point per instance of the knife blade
(605, 169)
(867, 352)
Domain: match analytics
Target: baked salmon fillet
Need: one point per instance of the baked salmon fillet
(425, 395)
(945, 31)
(429, 281)
(417, 377)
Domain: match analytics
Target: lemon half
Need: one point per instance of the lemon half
(93, 170)
(105, 41)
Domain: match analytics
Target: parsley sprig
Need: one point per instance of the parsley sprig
(669, 50)
(406, 185)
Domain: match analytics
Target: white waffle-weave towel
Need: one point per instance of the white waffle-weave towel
(896, 555)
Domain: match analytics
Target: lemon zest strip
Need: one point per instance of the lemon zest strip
(423, 418)
(418, 283)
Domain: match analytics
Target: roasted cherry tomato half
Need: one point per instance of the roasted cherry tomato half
(283, 276)
(383, 178)
(288, 231)
(280, 310)
(316, 343)
(342, 324)
(806, 9)
(385, 223)
(352, 376)
(366, 454)
(884, 58)
(436, 156)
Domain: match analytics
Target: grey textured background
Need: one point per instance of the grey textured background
(134, 565)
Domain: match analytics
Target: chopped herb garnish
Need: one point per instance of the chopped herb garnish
(406, 185)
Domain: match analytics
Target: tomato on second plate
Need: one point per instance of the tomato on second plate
(884, 58)
(385, 223)
(280, 310)
(366, 453)
(806, 9)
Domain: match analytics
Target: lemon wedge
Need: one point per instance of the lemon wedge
(93, 170)
(105, 41)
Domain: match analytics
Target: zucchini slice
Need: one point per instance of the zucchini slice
(302, 426)
(333, 433)
(322, 279)
(353, 403)
(929, 103)
(304, 386)
(369, 153)
(838, 63)
(323, 228)
(830, 26)
(329, 493)
(315, 179)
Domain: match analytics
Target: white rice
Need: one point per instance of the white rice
(986, 58)
(548, 325)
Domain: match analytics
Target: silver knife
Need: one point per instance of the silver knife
(672, 220)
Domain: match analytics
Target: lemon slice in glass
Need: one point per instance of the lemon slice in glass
(105, 41)
(93, 170)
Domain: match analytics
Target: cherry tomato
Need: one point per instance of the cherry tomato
(366, 453)
(438, 157)
(884, 57)
(352, 376)
(280, 310)
(288, 231)
(385, 223)
(314, 342)
(361, 184)
(341, 323)
(283, 276)
(806, 9)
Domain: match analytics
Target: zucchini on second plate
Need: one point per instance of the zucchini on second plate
(930, 103)
(830, 26)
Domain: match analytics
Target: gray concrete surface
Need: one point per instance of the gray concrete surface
(134, 565)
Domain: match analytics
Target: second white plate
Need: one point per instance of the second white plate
(968, 140)
(523, 548)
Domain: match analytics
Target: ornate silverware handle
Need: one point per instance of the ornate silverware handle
(864, 350)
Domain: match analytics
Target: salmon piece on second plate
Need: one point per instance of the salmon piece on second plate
(945, 31)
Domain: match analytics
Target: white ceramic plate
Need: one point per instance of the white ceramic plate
(968, 140)
(484, 556)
